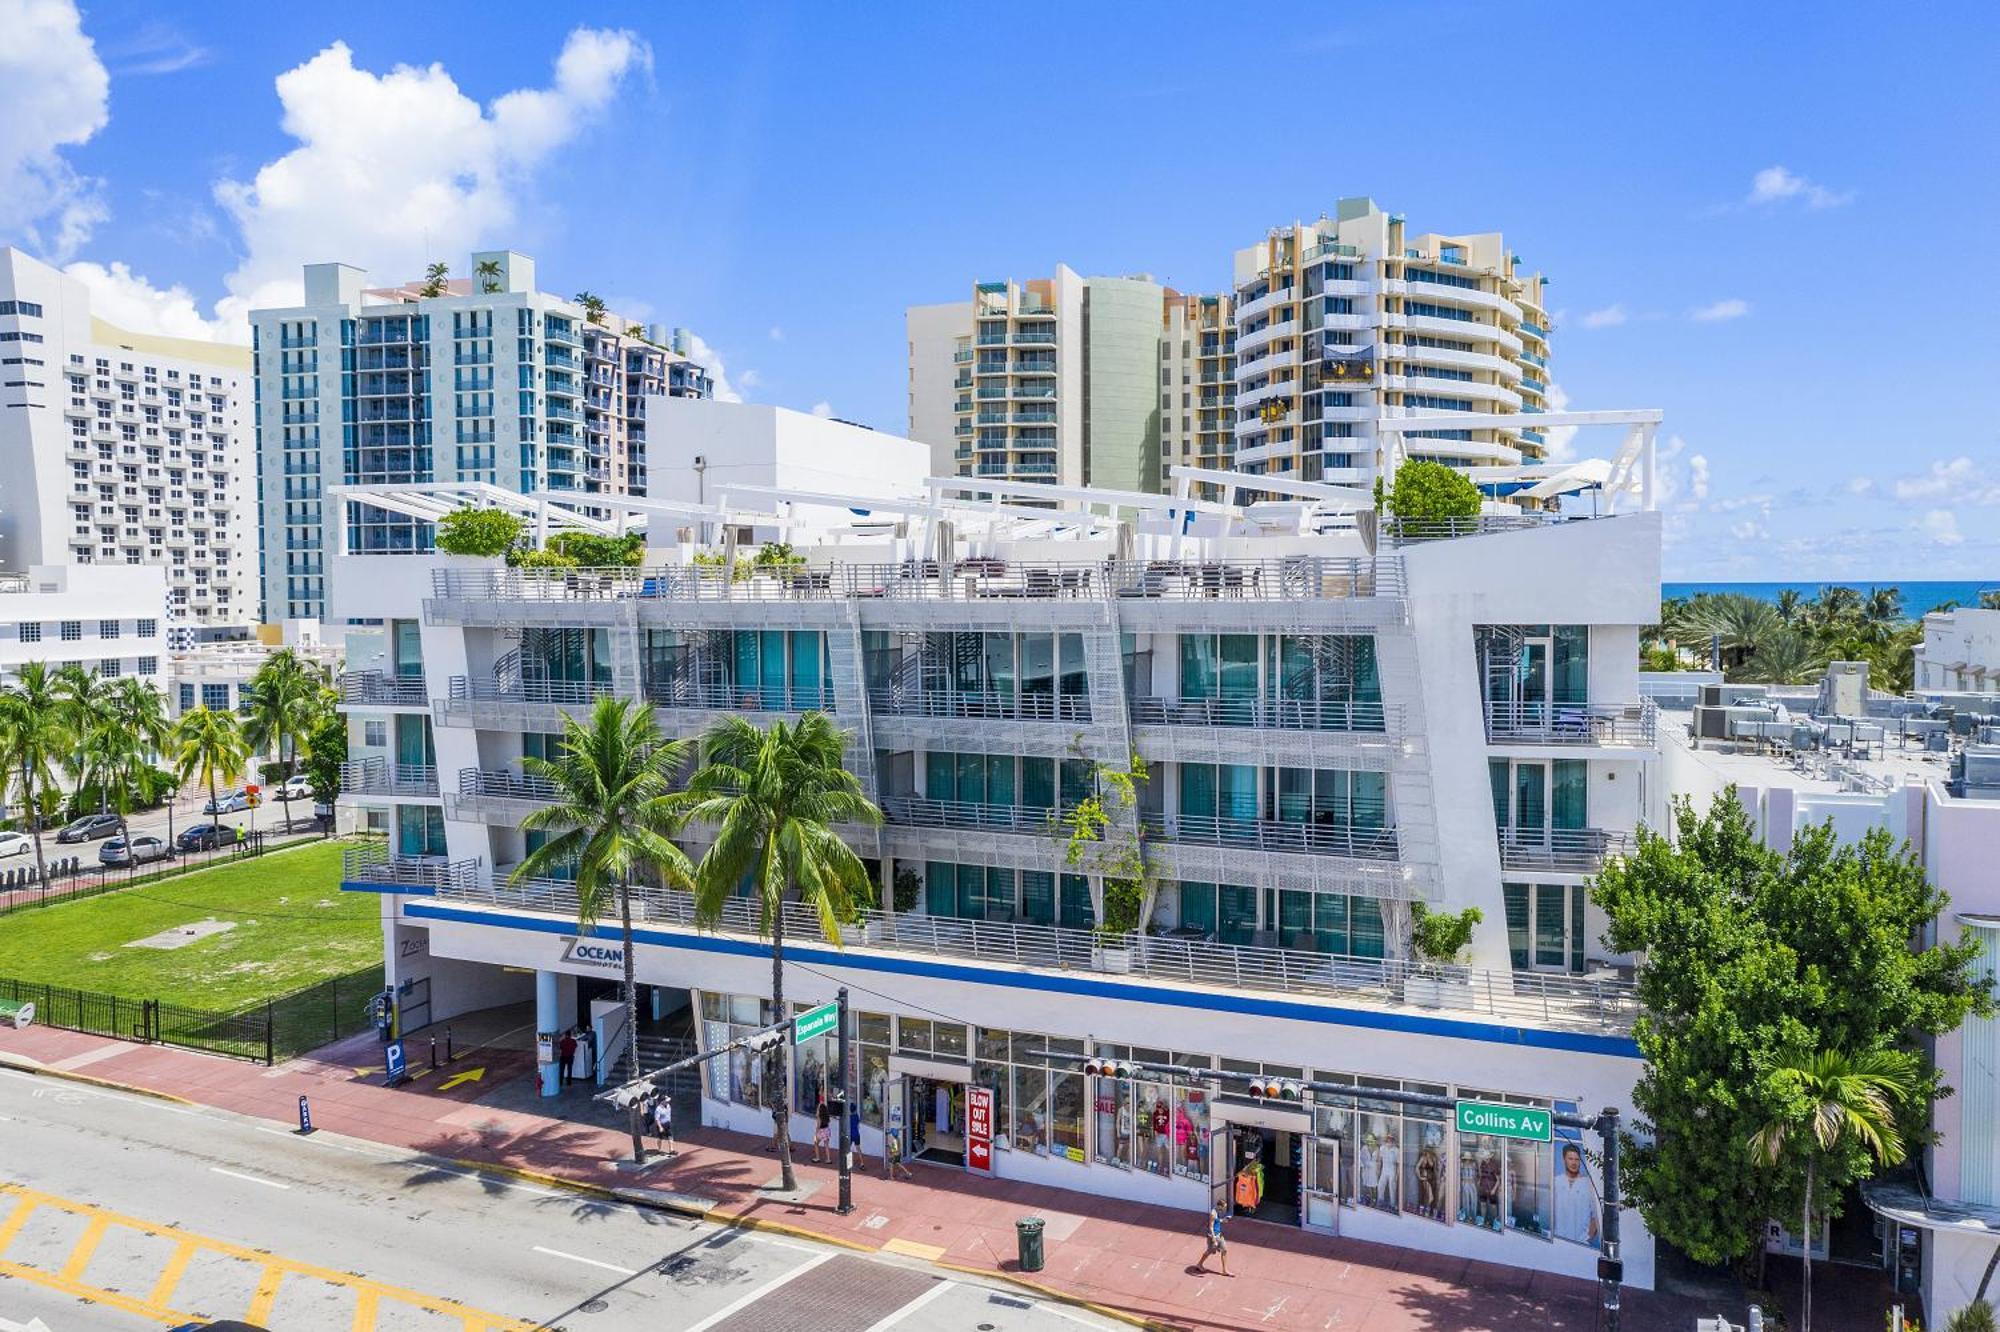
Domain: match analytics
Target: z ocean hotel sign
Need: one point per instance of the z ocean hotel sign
(593, 953)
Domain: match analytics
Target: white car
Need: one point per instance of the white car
(15, 844)
(296, 787)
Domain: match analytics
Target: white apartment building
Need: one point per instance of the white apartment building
(106, 618)
(1351, 321)
(491, 381)
(1334, 727)
(123, 448)
(1960, 650)
(1054, 379)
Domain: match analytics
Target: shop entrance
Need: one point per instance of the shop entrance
(1264, 1184)
(935, 1111)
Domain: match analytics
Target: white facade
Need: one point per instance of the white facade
(491, 381)
(1321, 723)
(123, 448)
(1960, 651)
(106, 618)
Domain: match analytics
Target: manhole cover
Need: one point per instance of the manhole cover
(594, 1306)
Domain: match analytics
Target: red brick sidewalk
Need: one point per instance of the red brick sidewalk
(1120, 1256)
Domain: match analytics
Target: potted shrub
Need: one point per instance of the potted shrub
(1440, 938)
(1104, 836)
(1427, 499)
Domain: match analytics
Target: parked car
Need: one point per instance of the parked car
(144, 848)
(207, 837)
(231, 802)
(15, 844)
(296, 787)
(89, 828)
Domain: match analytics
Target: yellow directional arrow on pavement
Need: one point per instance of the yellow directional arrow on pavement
(470, 1075)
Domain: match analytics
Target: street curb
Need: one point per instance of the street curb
(22, 1065)
(1064, 1297)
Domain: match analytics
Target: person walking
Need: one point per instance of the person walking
(823, 1132)
(566, 1057)
(1217, 1244)
(894, 1159)
(663, 1124)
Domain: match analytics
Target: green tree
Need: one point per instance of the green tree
(488, 271)
(1428, 491)
(1442, 935)
(1790, 604)
(1883, 606)
(286, 696)
(774, 797)
(34, 737)
(434, 279)
(593, 551)
(326, 750)
(208, 747)
(85, 699)
(1830, 1105)
(487, 532)
(1740, 622)
(138, 711)
(612, 819)
(1783, 656)
(115, 761)
(592, 304)
(1749, 952)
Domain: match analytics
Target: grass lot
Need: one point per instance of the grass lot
(293, 927)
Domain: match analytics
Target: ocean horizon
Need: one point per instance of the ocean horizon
(1919, 595)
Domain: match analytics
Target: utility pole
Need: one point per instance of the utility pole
(846, 1203)
(1610, 1266)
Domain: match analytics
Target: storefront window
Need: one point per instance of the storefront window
(873, 1032)
(994, 1077)
(1378, 1153)
(1191, 1132)
(1333, 1141)
(1066, 1114)
(1155, 1127)
(1424, 1156)
(1528, 1188)
(1030, 1109)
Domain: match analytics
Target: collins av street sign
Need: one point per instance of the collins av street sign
(1503, 1121)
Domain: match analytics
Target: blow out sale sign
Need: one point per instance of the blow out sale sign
(979, 1129)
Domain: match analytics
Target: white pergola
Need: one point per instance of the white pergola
(1633, 470)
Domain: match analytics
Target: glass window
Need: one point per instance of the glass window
(1516, 896)
(1111, 1108)
(1529, 1188)
(1076, 911)
(1378, 1152)
(1154, 1127)
(1424, 1157)
(1038, 897)
(1481, 1168)
(1030, 1109)
(1191, 1132)
(994, 1076)
(1569, 804)
(1197, 907)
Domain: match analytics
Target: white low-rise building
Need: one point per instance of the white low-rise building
(108, 618)
(1960, 650)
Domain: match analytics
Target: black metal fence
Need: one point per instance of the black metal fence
(72, 880)
(278, 1028)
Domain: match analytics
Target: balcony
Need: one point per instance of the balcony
(922, 812)
(1560, 850)
(373, 867)
(1279, 714)
(1614, 725)
(376, 690)
(721, 696)
(513, 704)
(1318, 839)
(376, 776)
(899, 700)
(1605, 1006)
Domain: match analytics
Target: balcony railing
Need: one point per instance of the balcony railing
(725, 697)
(978, 705)
(502, 784)
(1324, 839)
(1408, 531)
(553, 693)
(380, 777)
(1623, 725)
(1283, 714)
(1606, 1005)
(1561, 850)
(923, 812)
(375, 865)
(375, 689)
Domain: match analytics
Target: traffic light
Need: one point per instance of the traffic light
(763, 1040)
(1108, 1068)
(1275, 1089)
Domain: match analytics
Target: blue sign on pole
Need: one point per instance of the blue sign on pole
(392, 1055)
(305, 1116)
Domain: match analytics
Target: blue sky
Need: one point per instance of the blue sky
(1772, 221)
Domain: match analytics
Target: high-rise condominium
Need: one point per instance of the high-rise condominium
(1061, 380)
(122, 448)
(1351, 321)
(479, 379)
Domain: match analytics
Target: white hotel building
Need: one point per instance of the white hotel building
(1336, 727)
(122, 448)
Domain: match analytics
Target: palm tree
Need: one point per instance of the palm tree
(208, 745)
(1884, 605)
(489, 275)
(593, 306)
(434, 276)
(1786, 656)
(85, 699)
(1739, 622)
(1789, 604)
(285, 696)
(137, 711)
(33, 736)
(774, 796)
(1832, 1100)
(1836, 603)
(115, 763)
(612, 818)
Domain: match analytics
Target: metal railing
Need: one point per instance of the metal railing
(502, 784)
(1283, 714)
(376, 689)
(554, 693)
(375, 865)
(1409, 531)
(1561, 850)
(923, 812)
(377, 776)
(902, 701)
(725, 697)
(1606, 1005)
(1633, 725)
(1325, 839)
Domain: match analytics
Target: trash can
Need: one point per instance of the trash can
(1028, 1234)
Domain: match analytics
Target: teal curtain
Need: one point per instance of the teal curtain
(941, 775)
(1074, 680)
(1570, 790)
(1576, 898)
(1330, 922)
(1238, 794)
(808, 651)
(413, 741)
(409, 648)
(1236, 908)
(1369, 937)
(972, 778)
(999, 904)
(1197, 906)
(1198, 666)
(1000, 780)
(1038, 783)
(1496, 772)
(1076, 912)
(1038, 896)
(1571, 683)
(1076, 781)
(1239, 666)
(1530, 797)
(1516, 895)
(940, 888)
(745, 650)
(1198, 790)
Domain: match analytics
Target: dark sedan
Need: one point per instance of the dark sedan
(90, 828)
(207, 837)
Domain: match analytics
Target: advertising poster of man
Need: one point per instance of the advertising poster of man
(1578, 1217)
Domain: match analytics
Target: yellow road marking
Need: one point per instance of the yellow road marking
(275, 1269)
(12, 1226)
(266, 1296)
(80, 1256)
(365, 1305)
(458, 1079)
(170, 1276)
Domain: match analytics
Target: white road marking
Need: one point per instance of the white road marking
(758, 1293)
(248, 1179)
(592, 1262)
(910, 1308)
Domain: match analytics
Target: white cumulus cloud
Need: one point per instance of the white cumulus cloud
(708, 358)
(1941, 526)
(1959, 479)
(129, 301)
(1717, 311)
(1609, 317)
(1561, 440)
(1698, 476)
(1775, 184)
(393, 170)
(54, 94)
(823, 410)
(1861, 485)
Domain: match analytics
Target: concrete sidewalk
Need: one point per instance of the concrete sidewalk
(1129, 1258)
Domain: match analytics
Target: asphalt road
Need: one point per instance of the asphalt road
(123, 1212)
(268, 817)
